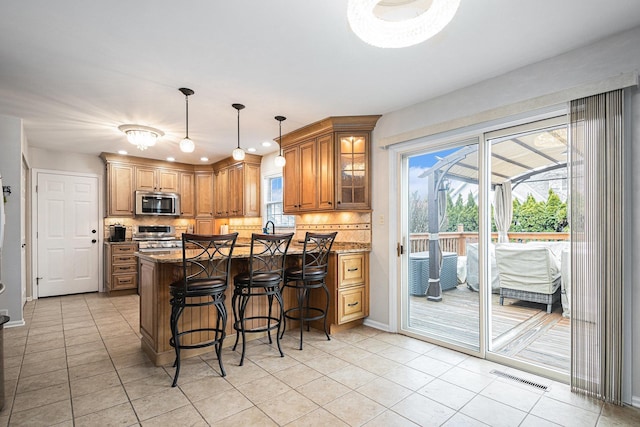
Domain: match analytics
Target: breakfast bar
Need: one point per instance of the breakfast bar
(347, 281)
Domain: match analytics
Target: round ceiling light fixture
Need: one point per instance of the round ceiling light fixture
(385, 23)
(142, 137)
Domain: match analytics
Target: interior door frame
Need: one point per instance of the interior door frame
(34, 222)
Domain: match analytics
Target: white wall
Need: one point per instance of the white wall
(603, 60)
(41, 158)
(11, 142)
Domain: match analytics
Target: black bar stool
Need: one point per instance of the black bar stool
(266, 271)
(206, 263)
(310, 275)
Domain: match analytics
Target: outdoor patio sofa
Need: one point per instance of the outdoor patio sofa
(473, 279)
(528, 272)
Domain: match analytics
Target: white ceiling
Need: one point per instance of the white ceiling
(76, 70)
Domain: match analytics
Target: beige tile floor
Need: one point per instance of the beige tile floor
(78, 362)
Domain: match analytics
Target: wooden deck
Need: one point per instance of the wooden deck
(520, 329)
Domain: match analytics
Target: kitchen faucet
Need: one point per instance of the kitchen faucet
(266, 227)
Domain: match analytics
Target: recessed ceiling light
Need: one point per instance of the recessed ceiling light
(251, 150)
(171, 159)
(124, 153)
(204, 159)
(266, 144)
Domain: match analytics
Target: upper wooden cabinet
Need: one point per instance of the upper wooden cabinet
(187, 194)
(126, 174)
(119, 190)
(156, 179)
(300, 177)
(328, 165)
(204, 194)
(237, 187)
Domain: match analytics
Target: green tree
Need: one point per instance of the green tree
(418, 214)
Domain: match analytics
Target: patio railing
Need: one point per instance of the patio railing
(457, 241)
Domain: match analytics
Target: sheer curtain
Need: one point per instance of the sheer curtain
(596, 146)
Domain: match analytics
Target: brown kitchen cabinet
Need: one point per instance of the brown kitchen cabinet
(121, 268)
(149, 299)
(348, 284)
(187, 194)
(205, 226)
(221, 193)
(119, 190)
(237, 187)
(328, 165)
(299, 174)
(204, 194)
(156, 179)
(126, 174)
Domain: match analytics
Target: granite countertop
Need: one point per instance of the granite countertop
(125, 242)
(244, 251)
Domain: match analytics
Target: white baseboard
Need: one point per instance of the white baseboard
(376, 325)
(14, 323)
(635, 401)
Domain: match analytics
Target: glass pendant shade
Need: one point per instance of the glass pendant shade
(238, 154)
(280, 161)
(187, 145)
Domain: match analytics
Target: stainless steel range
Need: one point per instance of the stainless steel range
(157, 238)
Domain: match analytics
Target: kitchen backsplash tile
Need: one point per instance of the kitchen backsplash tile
(354, 227)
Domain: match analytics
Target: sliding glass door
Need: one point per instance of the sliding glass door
(441, 221)
(529, 250)
(485, 235)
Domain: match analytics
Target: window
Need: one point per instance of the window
(273, 205)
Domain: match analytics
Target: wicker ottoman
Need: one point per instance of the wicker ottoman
(419, 272)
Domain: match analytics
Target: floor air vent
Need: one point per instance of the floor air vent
(518, 379)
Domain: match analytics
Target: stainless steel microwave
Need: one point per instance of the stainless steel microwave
(152, 203)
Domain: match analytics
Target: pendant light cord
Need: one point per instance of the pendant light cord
(186, 101)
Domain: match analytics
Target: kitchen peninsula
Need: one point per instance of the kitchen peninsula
(347, 280)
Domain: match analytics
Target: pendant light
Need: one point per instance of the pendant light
(187, 145)
(280, 161)
(238, 153)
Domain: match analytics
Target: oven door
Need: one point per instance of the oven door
(148, 203)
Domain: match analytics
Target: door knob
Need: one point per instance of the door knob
(93, 231)
(93, 240)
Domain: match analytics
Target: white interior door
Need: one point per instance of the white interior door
(68, 218)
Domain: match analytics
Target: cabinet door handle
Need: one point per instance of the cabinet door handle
(352, 269)
(353, 304)
(329, 203)
(339, 202)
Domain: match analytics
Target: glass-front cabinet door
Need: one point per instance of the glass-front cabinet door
(353, 174)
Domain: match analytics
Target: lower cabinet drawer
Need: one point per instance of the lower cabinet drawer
(351, 304)
(124, 259)
(120, 269)
(124, 281)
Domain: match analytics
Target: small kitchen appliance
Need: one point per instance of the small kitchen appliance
(117, 233)
(157, 203)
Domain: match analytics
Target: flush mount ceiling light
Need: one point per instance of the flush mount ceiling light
(187, 145)
(141, 136)
(280, 161)
(238, 153)
(399, 23)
